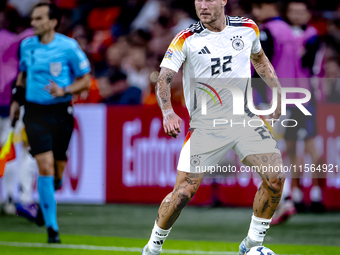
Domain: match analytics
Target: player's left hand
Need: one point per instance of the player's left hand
(276, 115)
(171, 123)
(55, 90)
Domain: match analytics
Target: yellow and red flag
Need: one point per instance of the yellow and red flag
(7, 153)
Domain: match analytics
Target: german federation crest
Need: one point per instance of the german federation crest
(195, 160)
(237, 43)
(55, 68)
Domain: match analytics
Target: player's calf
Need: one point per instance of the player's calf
(275, 183)
(184, 190)
(46, 192)
(170, 209)
(45, 163)
(266, 199)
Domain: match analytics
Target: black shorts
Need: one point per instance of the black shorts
(49, 128)
(306, 127)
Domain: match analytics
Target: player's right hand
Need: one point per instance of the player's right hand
(14, 112)
(171, 123)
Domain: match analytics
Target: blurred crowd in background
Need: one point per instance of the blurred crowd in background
(125, 41)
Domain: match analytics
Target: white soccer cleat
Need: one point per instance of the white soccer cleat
(9, 207)
(246, 244)
(146, 251)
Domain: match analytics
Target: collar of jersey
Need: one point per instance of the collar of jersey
(51, 42)
(206, 29)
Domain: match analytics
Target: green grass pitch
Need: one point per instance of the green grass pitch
(125, 229)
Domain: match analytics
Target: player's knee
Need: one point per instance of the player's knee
(167, 199)
(183, 199)
(46, 168)
(276, 183)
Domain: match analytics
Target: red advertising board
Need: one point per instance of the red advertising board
(329, 130)
(141, 158)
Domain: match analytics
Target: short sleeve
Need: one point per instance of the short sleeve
(78, 61)
(22, 63)
(256, 44)
(176, 53)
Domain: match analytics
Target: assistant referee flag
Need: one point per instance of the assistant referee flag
(7, 153)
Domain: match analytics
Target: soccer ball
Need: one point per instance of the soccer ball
(259, 250)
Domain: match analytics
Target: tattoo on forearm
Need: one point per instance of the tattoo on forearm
(266, 70)
(163, 94)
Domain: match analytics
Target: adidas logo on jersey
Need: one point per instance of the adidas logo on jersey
(204, 51)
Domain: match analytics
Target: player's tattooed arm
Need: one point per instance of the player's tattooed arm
(266, 71)
(171, 122)
(163, 92)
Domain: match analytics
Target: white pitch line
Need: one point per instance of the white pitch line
(112, 248)
(106, 248)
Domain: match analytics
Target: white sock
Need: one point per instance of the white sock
(27, 169)
(316, 194)
(9, 179)
(157, 238)
(286, 190)
(297, 195)
(258, 228)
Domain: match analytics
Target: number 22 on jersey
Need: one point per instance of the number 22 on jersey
(216, 66)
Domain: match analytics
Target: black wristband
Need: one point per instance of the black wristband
(67, 90)
(18, 94)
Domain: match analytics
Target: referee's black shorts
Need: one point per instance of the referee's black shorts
(49, 128)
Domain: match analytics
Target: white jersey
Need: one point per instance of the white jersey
(211, 59)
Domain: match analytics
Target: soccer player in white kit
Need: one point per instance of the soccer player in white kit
(217, 49)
